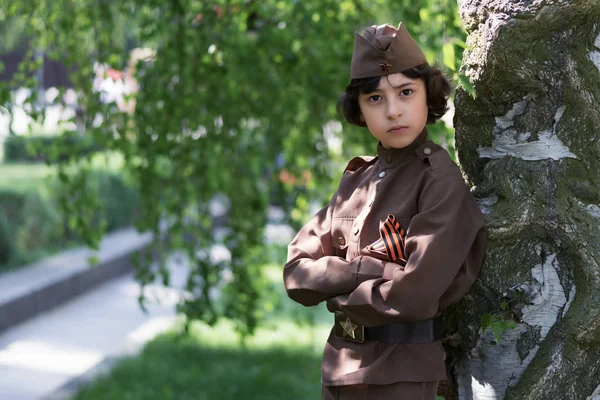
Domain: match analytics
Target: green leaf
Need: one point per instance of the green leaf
(486, 320)
(511, 325)
(465, 83)
(497, 329)
(449, 56)
(93, 260)
(460, 43)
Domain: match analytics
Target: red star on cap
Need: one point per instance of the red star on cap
(385, 66)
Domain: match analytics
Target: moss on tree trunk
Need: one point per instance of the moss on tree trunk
(529, 142)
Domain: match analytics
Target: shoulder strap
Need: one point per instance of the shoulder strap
(435, 154)
(358, 162)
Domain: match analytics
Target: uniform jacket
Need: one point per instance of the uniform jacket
(332, 258)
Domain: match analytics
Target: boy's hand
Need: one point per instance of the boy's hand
(388, 274)
(333, 305)
(390, 267)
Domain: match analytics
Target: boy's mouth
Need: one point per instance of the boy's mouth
(397, 128)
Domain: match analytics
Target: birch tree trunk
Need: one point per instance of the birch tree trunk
(530, 144)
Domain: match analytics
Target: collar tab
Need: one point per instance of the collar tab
(391, 158)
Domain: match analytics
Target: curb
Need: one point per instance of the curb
(70, 389)
(129, 350)
(68, 281)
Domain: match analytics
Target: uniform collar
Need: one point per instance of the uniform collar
(391, 158)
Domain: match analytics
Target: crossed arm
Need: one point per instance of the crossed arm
(444, 247)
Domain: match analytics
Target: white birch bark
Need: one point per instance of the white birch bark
(529, 142)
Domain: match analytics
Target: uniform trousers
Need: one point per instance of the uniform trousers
(394, 391)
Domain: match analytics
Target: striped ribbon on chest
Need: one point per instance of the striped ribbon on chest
(391, 239)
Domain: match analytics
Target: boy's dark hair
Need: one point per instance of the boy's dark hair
(437, 85)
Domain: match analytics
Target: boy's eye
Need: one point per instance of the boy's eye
(406, 90)
(375, 97)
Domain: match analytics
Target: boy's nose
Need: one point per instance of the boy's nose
(394, 109)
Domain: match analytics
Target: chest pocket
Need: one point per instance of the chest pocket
(340, 235)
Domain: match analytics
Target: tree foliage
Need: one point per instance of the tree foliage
(235, 95)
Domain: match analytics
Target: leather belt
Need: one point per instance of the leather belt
(426, 331)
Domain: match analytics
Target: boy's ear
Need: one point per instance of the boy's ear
(361, 117)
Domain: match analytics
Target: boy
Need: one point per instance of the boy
(401, 239)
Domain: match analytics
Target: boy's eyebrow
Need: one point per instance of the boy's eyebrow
(394, 87)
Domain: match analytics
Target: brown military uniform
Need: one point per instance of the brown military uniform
(331, 259)
(399, 391)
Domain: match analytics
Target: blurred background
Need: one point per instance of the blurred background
(155, 160)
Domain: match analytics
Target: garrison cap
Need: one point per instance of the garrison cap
(384, 50)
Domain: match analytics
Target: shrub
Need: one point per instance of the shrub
(43, 148)
(7, 246)
(119, 200)
(31, 225)
(40, 224)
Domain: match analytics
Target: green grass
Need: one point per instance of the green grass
(27, 176)
(24, 176)
(282, 360)
(279, 362)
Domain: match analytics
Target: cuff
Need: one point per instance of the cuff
(388, 271)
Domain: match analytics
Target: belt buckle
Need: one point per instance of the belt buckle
(346, 329)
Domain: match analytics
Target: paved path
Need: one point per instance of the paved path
(43, 354)
(61, 266)
(40, 355)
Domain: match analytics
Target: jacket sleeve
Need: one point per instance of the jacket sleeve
(313, 273)
(445, 245)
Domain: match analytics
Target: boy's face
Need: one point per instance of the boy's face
(396, 112)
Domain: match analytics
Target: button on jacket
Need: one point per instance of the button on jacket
(331, 259)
